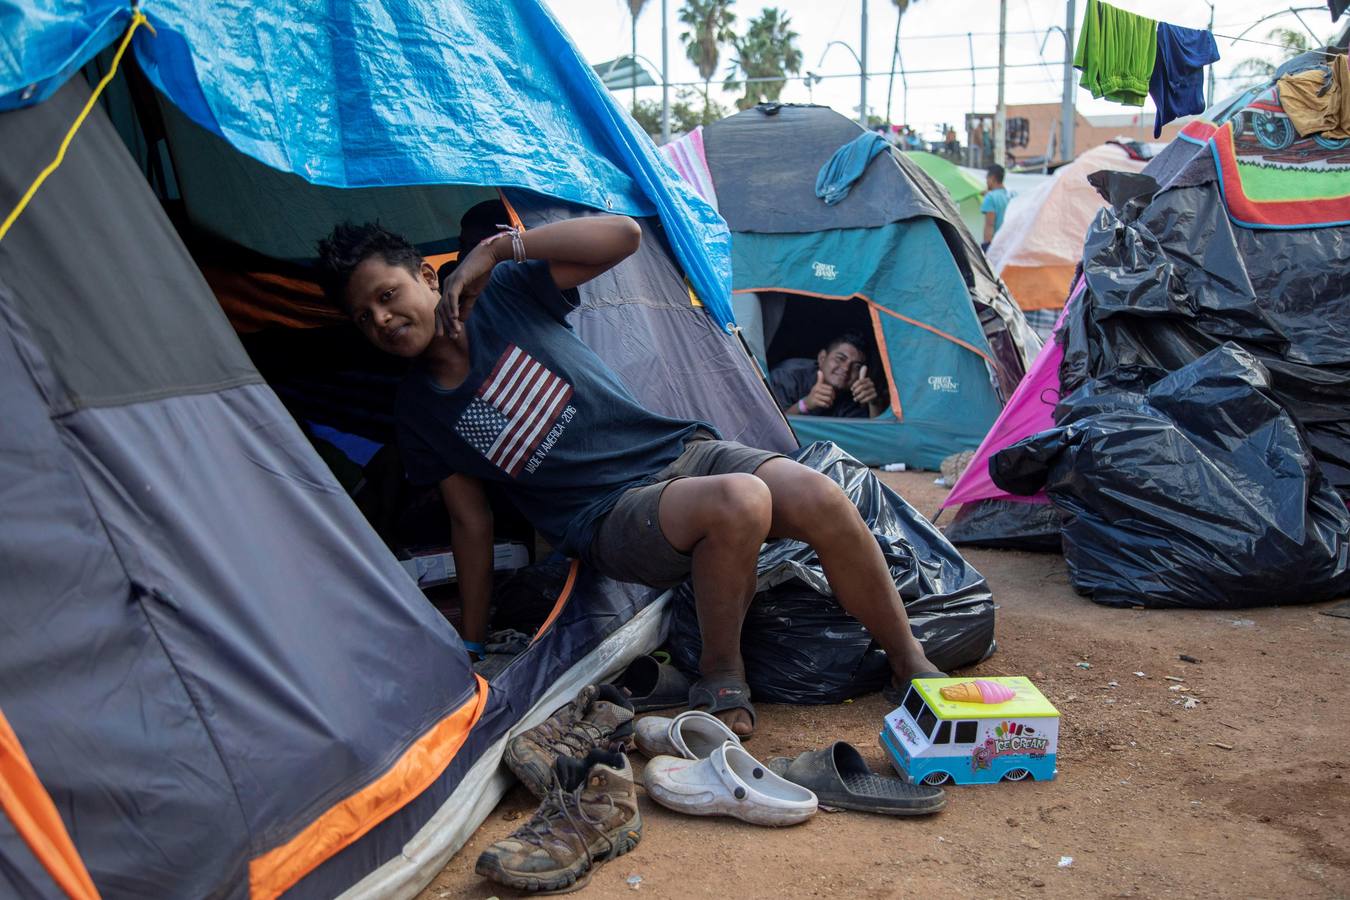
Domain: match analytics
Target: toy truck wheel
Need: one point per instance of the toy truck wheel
(1015, 774)
(937, 778)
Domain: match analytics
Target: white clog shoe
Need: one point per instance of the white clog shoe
(730, 782)
(691, 735)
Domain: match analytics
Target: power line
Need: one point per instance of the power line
(1244, 40)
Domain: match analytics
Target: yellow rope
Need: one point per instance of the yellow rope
(137, 20)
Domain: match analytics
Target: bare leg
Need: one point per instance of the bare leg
(721, 521)
(808, 506)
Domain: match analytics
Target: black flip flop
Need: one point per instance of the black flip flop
(895, 693)
(720, 693)
(840, 778)
(652, 684)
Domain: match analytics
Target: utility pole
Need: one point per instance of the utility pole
(665, 75)
(862, 103)
(1066, 113)
(1001, 114)
(1209, 94)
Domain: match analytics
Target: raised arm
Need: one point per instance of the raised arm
(577, 250)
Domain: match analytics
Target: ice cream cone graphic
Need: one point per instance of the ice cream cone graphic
(978, 691)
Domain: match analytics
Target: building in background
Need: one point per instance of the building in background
(1038, 125)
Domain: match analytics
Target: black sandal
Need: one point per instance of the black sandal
(720, 693)
(840, 778)
(652, 684)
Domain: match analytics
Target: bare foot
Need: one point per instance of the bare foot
(911, 664)
(738, 720)
(725, 687)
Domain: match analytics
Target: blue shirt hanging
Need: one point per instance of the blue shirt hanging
(1178, 83)
(848, 164)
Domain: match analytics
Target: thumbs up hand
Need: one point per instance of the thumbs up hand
(864, 391)
(821, 395)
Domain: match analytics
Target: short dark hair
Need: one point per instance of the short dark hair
(852, 338)
(350, 245)
(480, 223)
(996, 171)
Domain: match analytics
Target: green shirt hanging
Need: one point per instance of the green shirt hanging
(1116, 52)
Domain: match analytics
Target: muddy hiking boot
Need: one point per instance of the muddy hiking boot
(590, 815)
(601, 716)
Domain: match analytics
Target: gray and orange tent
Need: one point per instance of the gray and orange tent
(217, 679)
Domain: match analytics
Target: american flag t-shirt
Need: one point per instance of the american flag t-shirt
(515, 407)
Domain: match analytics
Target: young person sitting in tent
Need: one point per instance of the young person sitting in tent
(504, 391)
(835, 383)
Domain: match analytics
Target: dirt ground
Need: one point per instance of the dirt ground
(1246, 794)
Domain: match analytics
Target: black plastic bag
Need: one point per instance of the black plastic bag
(1200, 491)
(1006, 525)
(1170, 278)
(798, 643)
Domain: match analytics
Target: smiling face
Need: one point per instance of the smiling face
(840, 365)
(393, 307)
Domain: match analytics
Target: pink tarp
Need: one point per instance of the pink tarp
(687, 157)
(1028, 412)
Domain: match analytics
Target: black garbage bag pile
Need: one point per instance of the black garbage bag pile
(1199, 491)
(1202, 454)
(1170, 278)
(798, 643)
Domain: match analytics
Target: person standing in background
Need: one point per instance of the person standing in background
(994, 204)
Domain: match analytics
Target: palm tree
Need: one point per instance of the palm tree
(709, 24)
(901, 6)
(635, 10)
(768, 50)
(1291, 42)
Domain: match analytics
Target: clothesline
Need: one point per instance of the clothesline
(1229, 37)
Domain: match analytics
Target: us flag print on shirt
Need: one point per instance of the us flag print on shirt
(514, 409)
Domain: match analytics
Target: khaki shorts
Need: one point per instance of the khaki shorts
(629, 545)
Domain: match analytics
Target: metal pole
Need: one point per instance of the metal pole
(1209, 94)
(895, 52)
(970, 43)
(1001, 115)
(862, 74)
(969, 143)
(665, 75)
(904, 87)
(1067, 150)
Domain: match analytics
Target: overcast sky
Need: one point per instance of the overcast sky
(933, 36)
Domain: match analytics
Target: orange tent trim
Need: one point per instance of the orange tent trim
(276, 871)
(26, 802)
(561, 602)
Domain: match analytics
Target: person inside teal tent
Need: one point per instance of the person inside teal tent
(503, 391)
(835, 383)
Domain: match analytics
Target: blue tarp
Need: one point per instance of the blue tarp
(399, 92)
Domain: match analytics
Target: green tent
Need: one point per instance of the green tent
(964, 187)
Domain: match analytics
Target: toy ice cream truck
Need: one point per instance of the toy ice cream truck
(972, 731)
